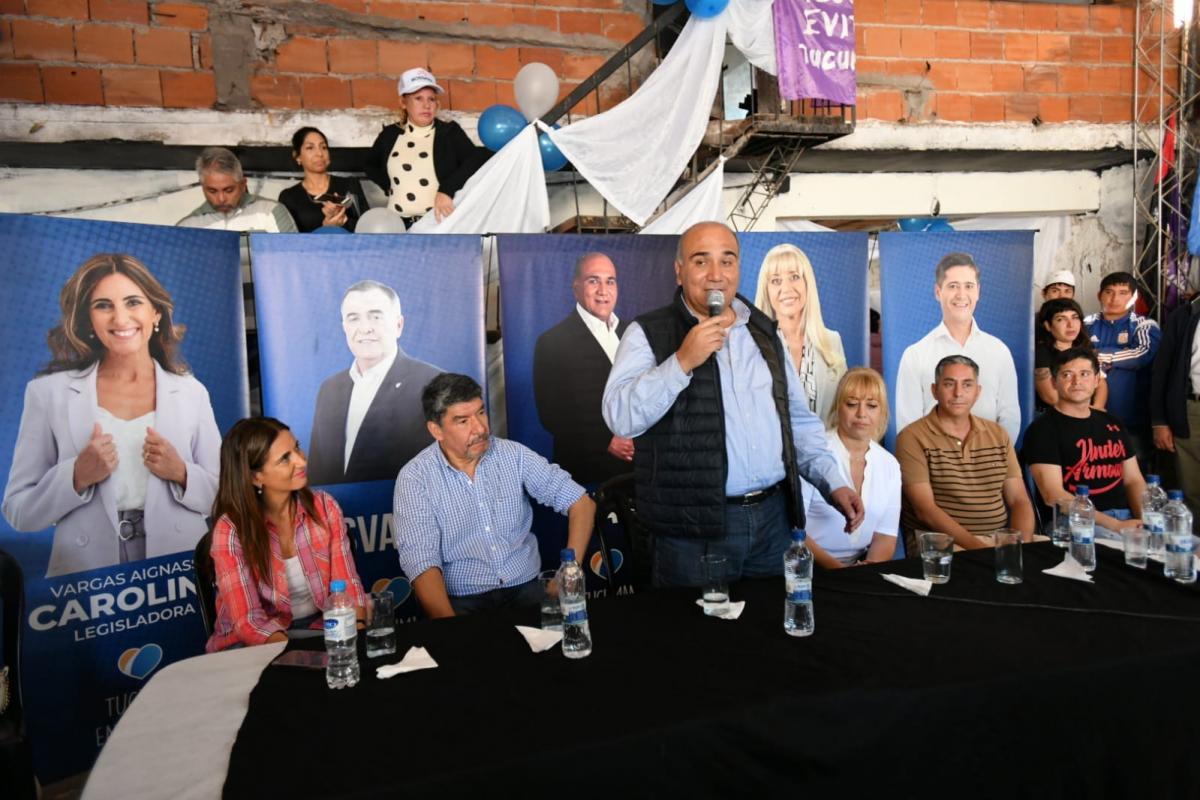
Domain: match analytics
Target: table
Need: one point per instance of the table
(978, 690)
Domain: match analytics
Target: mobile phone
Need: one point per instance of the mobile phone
(333, 197)
(305, 659)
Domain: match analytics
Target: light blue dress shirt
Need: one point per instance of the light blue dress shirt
(639, 392)
(476, 531)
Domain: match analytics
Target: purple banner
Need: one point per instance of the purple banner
(814, 47)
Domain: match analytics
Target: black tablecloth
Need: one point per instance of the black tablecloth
(1052, 688)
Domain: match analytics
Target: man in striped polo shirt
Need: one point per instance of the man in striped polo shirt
(960, 472)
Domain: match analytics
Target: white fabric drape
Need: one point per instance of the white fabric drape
(506, 195)
(205, 698)
(752, 31)
(701, 203)
(633, 153)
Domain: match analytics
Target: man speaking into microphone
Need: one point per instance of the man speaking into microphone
(720, 423)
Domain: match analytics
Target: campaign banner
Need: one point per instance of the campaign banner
(839, 266)
(555, 369)
(110, 599)
(814, 48)
(910, 310)
(328, 304)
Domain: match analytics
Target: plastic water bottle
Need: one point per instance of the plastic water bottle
(797, 575)
(1154, 499)
(341, 638)
(1179, 563)
(577, 637)
(1083, 529)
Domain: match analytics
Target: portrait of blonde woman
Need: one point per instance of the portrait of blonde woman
(787, 292)
(118, 448)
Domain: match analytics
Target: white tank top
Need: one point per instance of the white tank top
(131, 475)
(301, 595)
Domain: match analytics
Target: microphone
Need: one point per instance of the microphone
(715, 302)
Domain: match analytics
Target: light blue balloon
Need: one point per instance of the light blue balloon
(498, 125)
(924, 225)
(705, 9)
(552, 158)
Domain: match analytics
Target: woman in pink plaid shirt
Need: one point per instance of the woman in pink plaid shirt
(277, 544)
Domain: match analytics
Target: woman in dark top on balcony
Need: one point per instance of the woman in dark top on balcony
(321, 199)
(421, 161)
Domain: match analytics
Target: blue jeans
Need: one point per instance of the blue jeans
(521, 595)
(754, 543)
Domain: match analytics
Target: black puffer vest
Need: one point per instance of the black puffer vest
(680, 463)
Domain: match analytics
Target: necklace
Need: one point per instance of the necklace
(318, 191)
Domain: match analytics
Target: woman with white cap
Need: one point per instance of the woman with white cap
(421, 161)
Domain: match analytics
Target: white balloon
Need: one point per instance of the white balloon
(536, 88)
(380, 220)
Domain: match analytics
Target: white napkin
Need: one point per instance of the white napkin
(416, 658)
(538, 638)
(735, 609)
(1069, 568)
(914, 585)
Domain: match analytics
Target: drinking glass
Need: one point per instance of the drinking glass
(937, 551)
(551, 611)
(381, 628)
(716, 590)
(1137, 546)
(1060, 534)
(1008, 555)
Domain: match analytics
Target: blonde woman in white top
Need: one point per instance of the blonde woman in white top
(857, 421)
(787, 292)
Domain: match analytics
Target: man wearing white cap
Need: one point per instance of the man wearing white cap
(421, 161)
(1060, 284)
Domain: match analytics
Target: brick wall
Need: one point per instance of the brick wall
(975, 61)
(105, 52)
(311, 54)
(918, 60)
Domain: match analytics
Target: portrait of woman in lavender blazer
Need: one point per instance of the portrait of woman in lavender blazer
(118, 448)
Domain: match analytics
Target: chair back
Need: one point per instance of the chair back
(1041, 511)
(12, 606)
(206, 581)
(16, 757)
(616, 498)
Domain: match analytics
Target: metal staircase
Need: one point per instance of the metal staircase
(765, 145)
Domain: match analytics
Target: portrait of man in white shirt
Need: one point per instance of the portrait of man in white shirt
(957, 290)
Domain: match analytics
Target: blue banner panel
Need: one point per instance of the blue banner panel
(96, 629)
(839, 262)
(537, 312)
(307, 346)
(909, 309)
